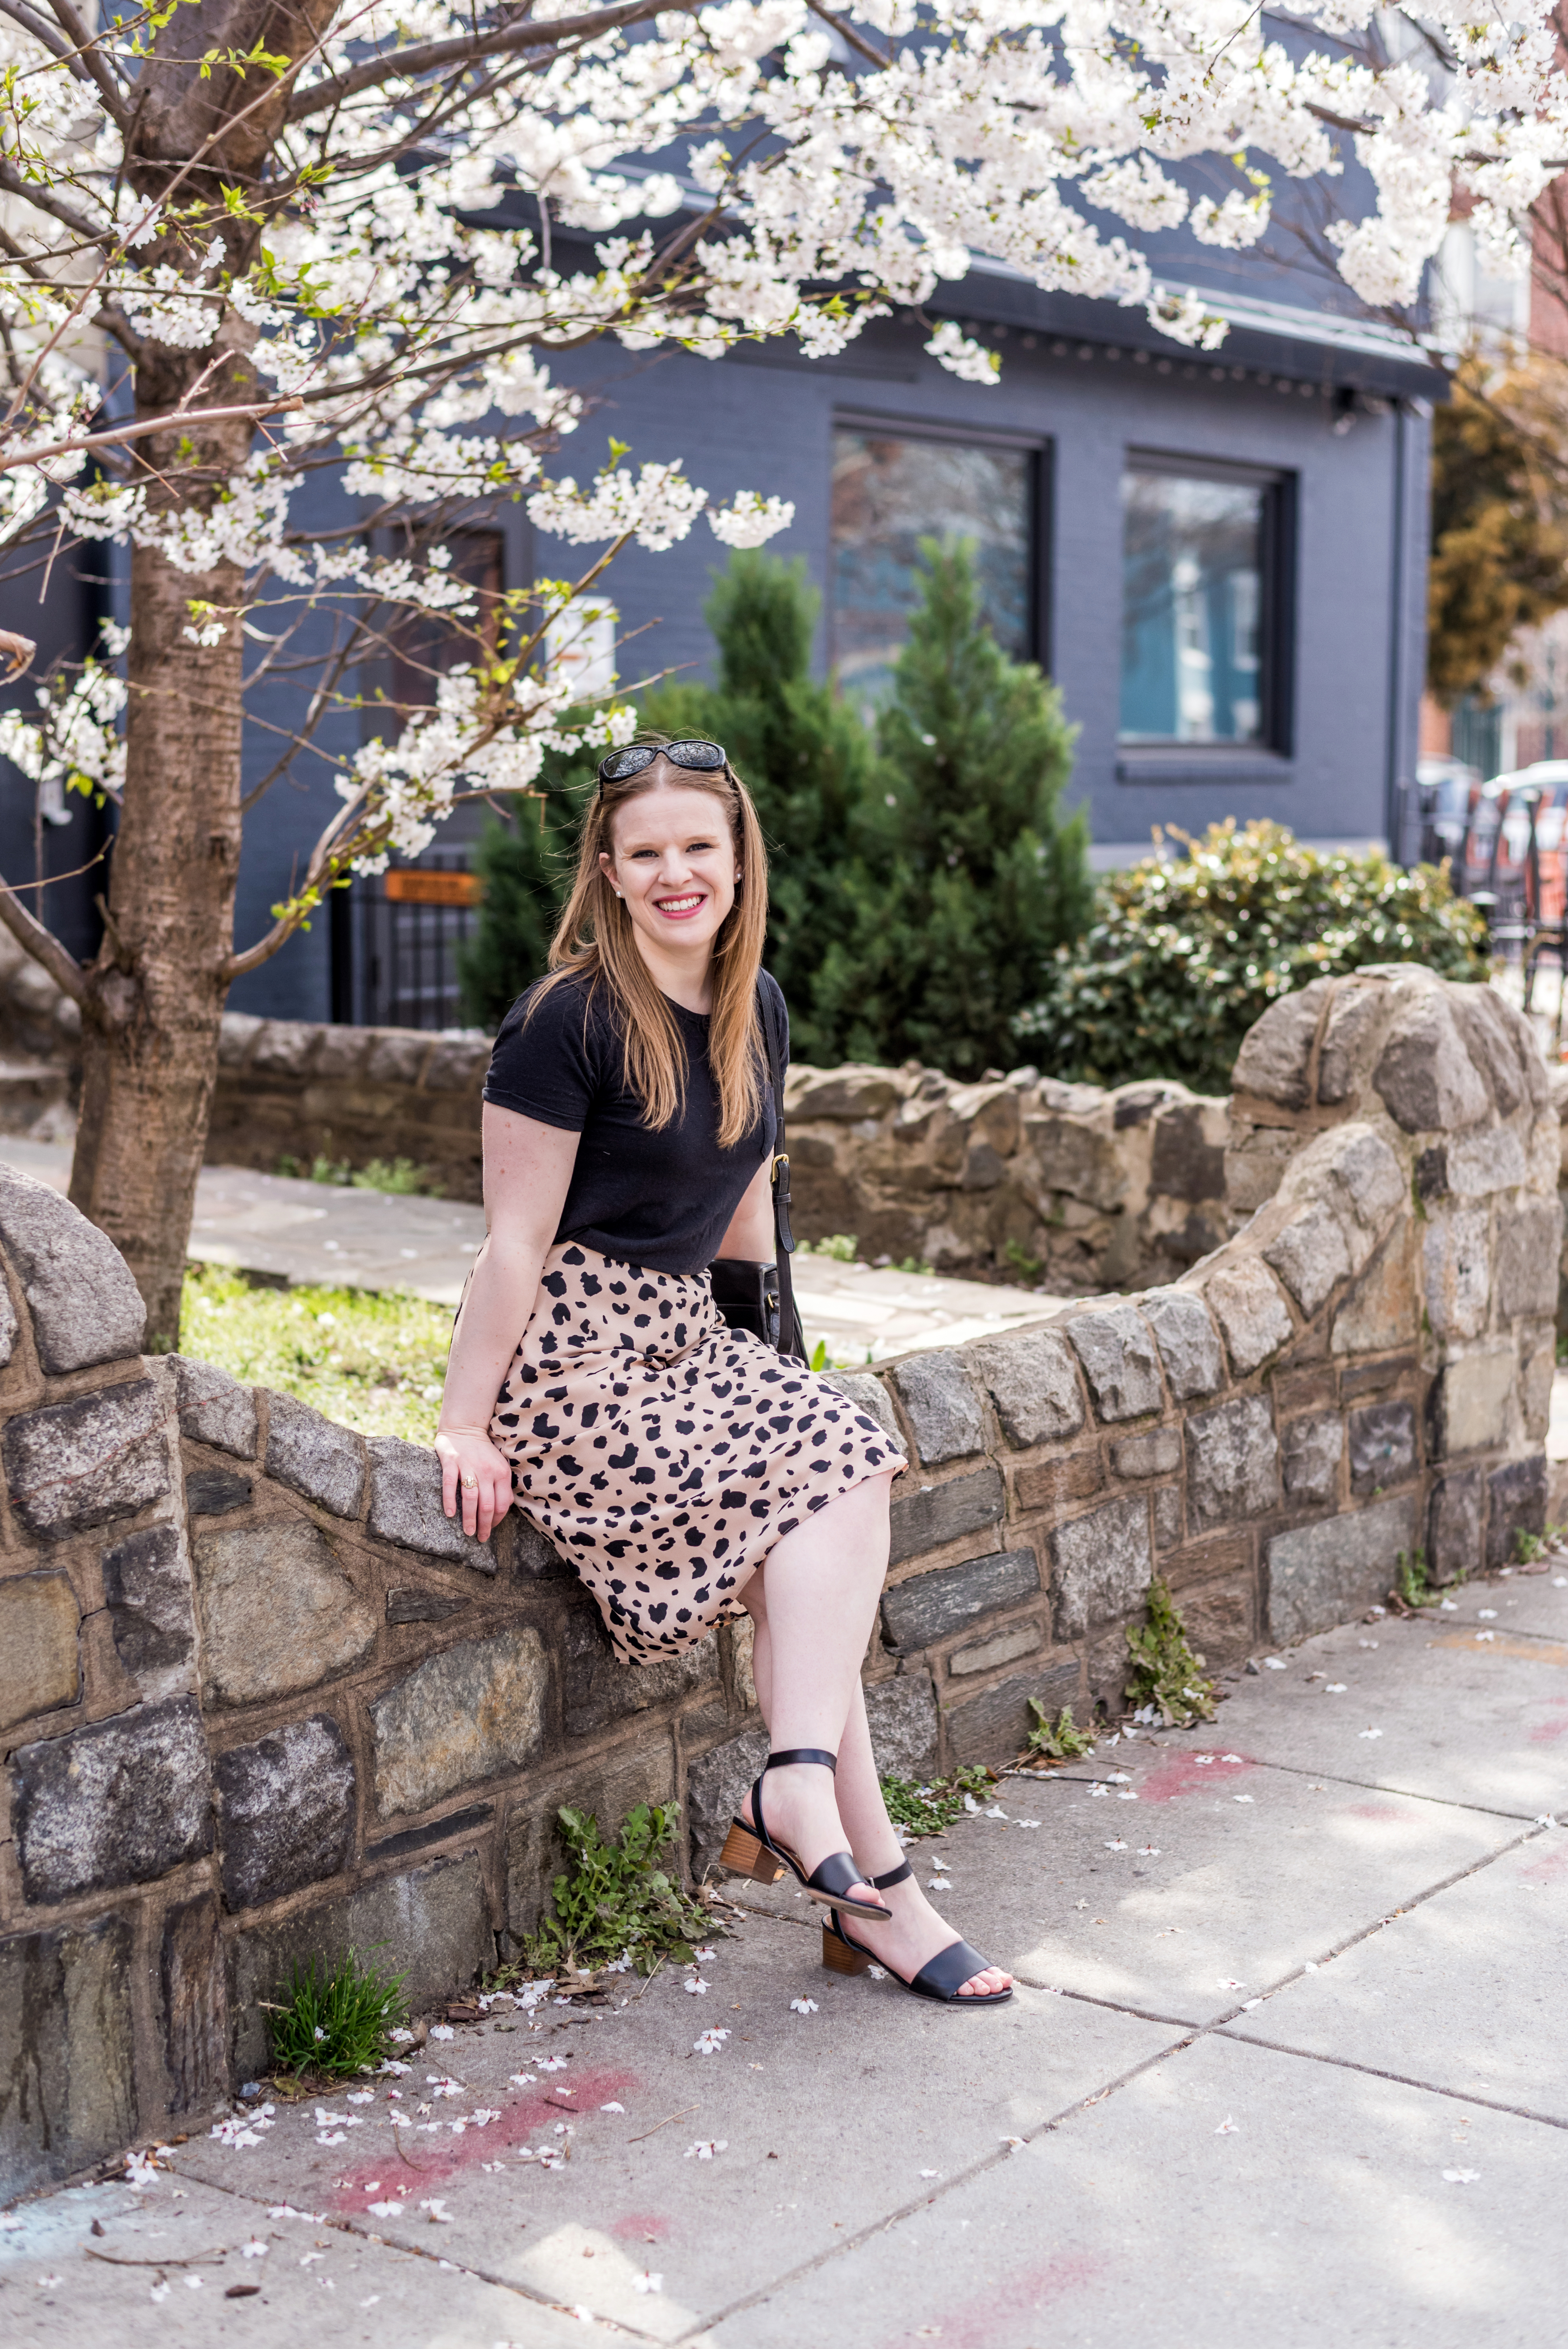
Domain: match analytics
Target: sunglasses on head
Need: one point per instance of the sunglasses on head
(703, 758)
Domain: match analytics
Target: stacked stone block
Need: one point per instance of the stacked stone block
(1095, 1189)
(1018, 1179)
(262, 1702)
(1064, 1187)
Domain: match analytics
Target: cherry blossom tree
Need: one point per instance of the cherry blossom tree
(248, 247)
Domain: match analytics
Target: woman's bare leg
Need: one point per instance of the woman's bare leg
(917, 1932)
(822, 1584)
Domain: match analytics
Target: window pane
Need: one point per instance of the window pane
(1192, 606)
(890, 493)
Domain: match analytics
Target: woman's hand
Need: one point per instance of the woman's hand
(474, 1472)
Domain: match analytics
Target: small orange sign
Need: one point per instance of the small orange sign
(410, 886)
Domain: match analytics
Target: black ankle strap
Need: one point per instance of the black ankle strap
(898, 1875)
(801, 1753)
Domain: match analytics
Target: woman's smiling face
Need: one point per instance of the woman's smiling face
(674, 865)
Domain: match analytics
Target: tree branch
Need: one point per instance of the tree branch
(42, 945)
(111, 439)
(432, 56)
(284, 929)
(32, 25)
(92, 57)
(11, 179)
(846, 32)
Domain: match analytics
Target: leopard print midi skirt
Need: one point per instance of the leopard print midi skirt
(662, 1453)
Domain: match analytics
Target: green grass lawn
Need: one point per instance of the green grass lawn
(374, 1362)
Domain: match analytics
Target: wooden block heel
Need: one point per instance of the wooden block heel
(745, 1855)
(840, 1957)
(753, 1851)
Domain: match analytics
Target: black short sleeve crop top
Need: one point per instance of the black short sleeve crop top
(664, 1199)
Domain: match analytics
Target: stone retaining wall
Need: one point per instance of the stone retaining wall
(291, 1087)
(259, 1700)
(1021, 1180)
(1062, 1188)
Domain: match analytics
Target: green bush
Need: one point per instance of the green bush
(918, 879)
(968, 872)
(1183, 958)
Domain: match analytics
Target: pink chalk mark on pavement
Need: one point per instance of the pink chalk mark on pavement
(439, 2159)
(1185, 1773)
(639, 2225)
(1374, 1811)
(1546, 1733)
(992, 2318)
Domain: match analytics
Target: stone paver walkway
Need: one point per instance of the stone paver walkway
(1286, 2066)
(309, 1232)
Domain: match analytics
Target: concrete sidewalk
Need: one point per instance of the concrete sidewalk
(1286, 2066)
(304, 1233)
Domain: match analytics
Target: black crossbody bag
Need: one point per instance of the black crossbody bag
(760, 1297)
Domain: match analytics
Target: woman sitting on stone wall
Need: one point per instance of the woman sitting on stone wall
(686, 1469)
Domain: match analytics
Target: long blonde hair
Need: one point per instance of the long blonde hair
(594, 941)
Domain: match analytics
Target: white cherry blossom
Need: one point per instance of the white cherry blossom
(454, 198)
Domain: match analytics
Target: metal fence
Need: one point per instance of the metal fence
(395, 945)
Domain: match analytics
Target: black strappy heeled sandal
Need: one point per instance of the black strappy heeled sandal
(751, 1851)
(940, 1977)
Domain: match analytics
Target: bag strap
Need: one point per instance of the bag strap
(791, 1337)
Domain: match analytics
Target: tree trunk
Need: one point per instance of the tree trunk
(155, 994)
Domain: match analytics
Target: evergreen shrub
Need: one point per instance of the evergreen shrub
(804, 756)
(919, 877)
(969, 874)
(526, 862)
(1182, 957)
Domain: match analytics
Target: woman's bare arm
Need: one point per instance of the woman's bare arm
(528, 1169)
(750, 1234)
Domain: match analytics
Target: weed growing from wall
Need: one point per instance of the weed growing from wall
(619, 1900)
(930, 1810)
(1529, 1549)
(1166, 1677)
(335, 2020)
(1412, 1583)
(1057, 1740)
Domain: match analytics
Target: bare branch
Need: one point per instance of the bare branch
(42, 945)
(12, 181)
(284, 929)
(846, 32)
(118, 432)
(435, 56)
(92, 57)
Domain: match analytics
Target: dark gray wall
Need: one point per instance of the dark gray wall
(1359, 563)
(1088, 382)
